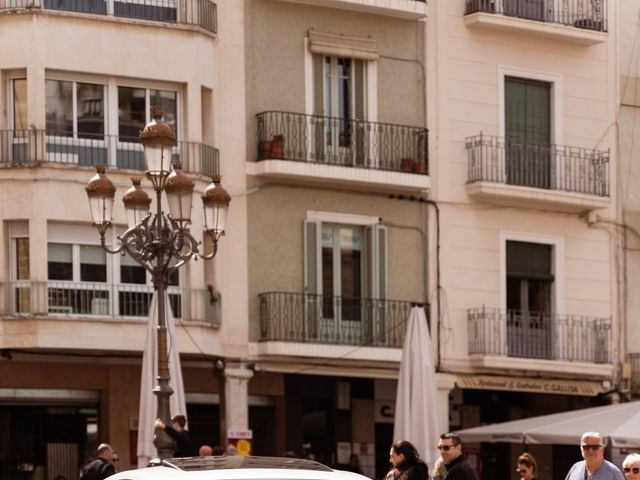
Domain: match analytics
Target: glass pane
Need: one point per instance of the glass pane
(350, 272)
(539, 296)
(59, 107)
(22, 259)
(169, 101)
(530, 260)
(131, 272)
(131, 113)
(327, 86)
(327, 282)
(20, 106)
(90, 100)
(93, 264)
(59, 265)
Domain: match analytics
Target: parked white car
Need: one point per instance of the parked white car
(237, 468)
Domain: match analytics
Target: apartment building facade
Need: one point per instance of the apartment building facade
(78, 81)
(525, 178)
(456, 155)
(337, 168)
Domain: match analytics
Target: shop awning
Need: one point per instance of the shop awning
(619, 424)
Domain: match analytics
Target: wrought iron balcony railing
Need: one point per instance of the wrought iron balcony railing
(552, 167)
(93, 299)
(549, 336)
(202, 13)
(299, 317)
(32, 147)
(336, 141)
(587, 14)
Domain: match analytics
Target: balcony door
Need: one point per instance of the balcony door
(345, 283)
(342, 285)
(528, 132)
(339, 110)
(529, 9)
(529, 299)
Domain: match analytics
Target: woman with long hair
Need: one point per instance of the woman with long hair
(406, 463)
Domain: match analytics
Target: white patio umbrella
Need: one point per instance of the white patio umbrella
(416, 415)
(618, 423)
(148, 401)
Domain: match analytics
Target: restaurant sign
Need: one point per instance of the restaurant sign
(531, 385)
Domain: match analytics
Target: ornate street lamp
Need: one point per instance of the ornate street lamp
(160, 242)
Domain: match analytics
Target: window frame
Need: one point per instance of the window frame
(557, 89)
(78, 235)
(74, 107)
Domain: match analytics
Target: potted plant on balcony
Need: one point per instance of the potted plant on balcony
(264, 149)
(277, 146)
(593, 19)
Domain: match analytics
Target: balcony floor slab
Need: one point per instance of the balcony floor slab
(527, 197)
(537, 28)
(335, 174)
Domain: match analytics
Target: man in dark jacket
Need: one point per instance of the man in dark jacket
(182, 437)
(101, 467)
(457, 465)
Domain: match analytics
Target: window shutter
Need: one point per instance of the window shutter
(312, 231)
(318, 107)
(381, 253)
(318, 84)
(375, 265)
(312, 272)
(359, 86)
(359, 91)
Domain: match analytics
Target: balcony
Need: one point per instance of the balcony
(407, 9)
(306, 318)
(562, 178)
(200, 13)
(20, 148)
(102, 300)
(318, 148)
(550, 341)
(579, 21)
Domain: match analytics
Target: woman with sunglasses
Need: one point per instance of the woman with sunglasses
(527, 467)
(631, 466)
(406, 463)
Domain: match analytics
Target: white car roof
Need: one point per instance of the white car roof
(237, 468)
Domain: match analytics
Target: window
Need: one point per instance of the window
(74, 109)
(19, 87)
(134, 295)
(20, 269)
(342, 269)
(134, 109)
(339, 89)
(528, 132)
(81, 281)
(77, 279)
(345, 268)
(529, 299)
(529, 277)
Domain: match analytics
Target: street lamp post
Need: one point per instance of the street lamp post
(160, 242)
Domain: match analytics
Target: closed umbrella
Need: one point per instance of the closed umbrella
(148, 401)
(416, 415)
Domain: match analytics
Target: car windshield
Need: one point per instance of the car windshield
(236, 461)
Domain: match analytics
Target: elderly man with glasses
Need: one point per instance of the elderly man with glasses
(594, 466)
(456, 464)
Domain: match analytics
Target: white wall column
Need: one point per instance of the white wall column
(446, 383)
(236, 383)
